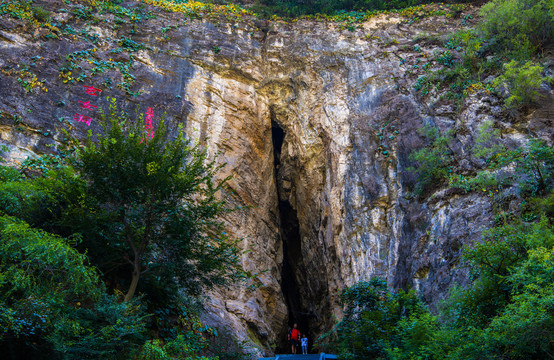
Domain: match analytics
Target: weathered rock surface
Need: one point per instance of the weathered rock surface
(338, 109)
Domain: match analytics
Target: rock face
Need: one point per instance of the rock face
(315, 123)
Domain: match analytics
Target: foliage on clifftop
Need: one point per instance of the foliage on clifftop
(231, 12)
(331, 8)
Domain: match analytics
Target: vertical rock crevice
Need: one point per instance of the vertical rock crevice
(289, 228)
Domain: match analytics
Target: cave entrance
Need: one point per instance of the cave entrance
(291, 271)
(277, 137)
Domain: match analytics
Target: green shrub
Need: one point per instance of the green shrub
(506, 246)
(509, 30)
(414, 333)
(40, 13)
(8, 174)
(44, 201)
(433, 162)
(225, 347)
(532, 164)
(487, 145)
(491, 263)
(534, 167)
(183, 346)
(107, 329)
(485, 181)
(523, 80)
(520, 269)
(487, 148)
(469, 42)
(524, 329)
(23, 247)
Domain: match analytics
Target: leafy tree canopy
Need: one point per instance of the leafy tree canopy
(153, 202)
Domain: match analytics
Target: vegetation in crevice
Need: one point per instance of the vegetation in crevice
(530, 167)
(434, 163)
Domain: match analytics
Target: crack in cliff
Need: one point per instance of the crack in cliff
(291, 271)
(277, 137)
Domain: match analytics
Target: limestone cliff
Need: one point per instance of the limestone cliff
(314, 122)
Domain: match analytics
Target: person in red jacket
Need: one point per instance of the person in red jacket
(294, 337)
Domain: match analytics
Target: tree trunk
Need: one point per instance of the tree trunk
(134, 282)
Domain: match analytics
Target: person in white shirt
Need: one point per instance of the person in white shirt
(304, 342)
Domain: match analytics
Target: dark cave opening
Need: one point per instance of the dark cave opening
(292, 251)
(277, 137)
(292, 257)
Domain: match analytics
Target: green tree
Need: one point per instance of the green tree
(524, 330)
(487, 143)
(491, 262)
(414, 333)
(153, 202)
(372, 318)
(52, 302)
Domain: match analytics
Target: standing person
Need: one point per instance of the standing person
(294, 338)
(304, 341)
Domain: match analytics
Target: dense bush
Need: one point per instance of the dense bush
(52, 302)
(524, 328)
(375, 318)
(508, 43)
(518, 27)
(43, 201)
